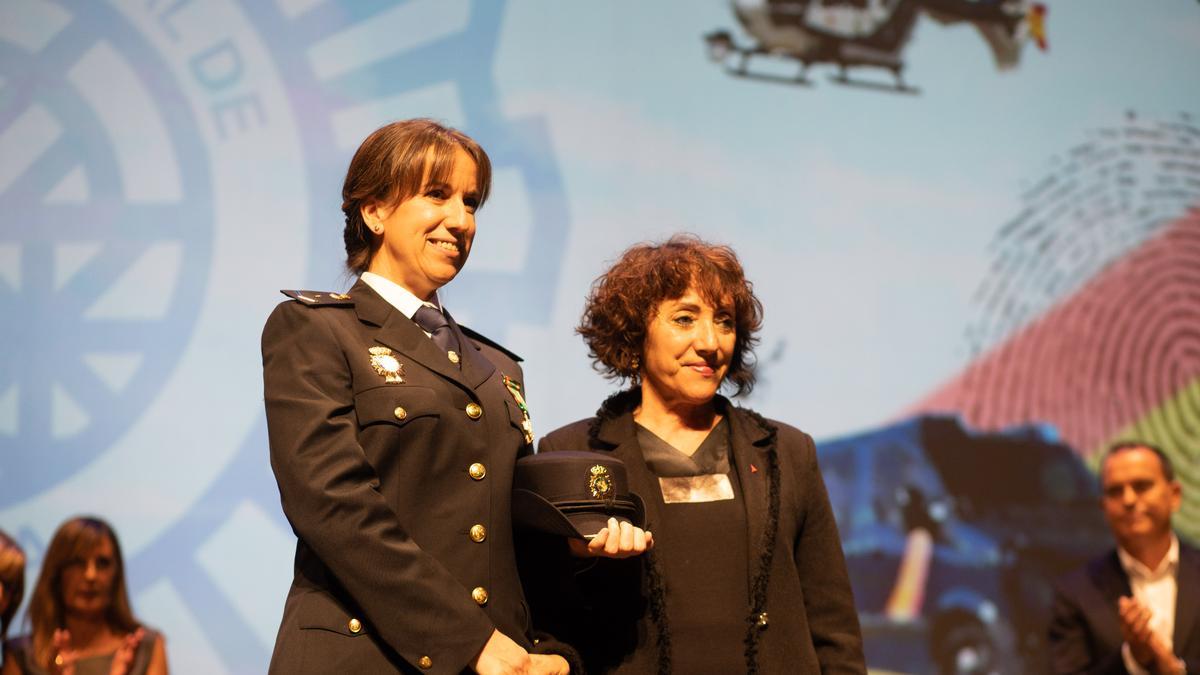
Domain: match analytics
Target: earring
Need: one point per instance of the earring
(636, 365)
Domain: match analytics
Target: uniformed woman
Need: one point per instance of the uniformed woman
(393, 435)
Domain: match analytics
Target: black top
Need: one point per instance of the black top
(702, 546)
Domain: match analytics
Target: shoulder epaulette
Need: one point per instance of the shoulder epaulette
(320, 298)
(489, 342)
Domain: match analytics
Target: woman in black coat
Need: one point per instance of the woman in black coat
(747, 573)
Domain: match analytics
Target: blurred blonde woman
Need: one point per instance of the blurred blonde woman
(80, 616)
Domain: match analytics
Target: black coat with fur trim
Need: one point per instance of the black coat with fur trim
(801, 615)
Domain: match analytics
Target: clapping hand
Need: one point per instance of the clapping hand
(123, 658)
(66, 656)
(1145, 645)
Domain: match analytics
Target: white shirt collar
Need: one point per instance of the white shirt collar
(398, 296)
(1134, 567)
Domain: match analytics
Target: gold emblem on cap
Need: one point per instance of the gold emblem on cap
(387, 365)
(339, 296)
(600, 483)
(453, 356)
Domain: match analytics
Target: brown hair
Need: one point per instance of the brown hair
(1125, 446)
(392, 165)
(624, 299)
(12, 575)
(74, 539)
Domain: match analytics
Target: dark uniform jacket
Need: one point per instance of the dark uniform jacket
(800, 617)
(1085, 628)
(398, 491)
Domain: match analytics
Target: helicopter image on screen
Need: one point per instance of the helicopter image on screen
(853, 34)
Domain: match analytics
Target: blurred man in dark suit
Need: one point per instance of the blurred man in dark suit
(1137, 609)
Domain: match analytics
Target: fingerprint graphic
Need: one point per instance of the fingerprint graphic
(1101, 199)
(1089, 318)
(1122, 347)
(1120, 359)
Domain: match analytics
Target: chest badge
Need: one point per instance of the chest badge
(387, 365)
(515, 390)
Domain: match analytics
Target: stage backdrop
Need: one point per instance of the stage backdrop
(974, 226)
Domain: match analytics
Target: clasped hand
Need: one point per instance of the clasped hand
(619, 540)
(501, 656)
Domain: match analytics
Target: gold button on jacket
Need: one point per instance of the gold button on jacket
(355, 626)
(453, 356)
(479, 595)
(477, 471)
(473, 410)
(478, 533)
(400, 412)
(425, 662)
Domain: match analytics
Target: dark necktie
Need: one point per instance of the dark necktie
(432, 321)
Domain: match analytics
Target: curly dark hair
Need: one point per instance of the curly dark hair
(624, 299)
(392, 165)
